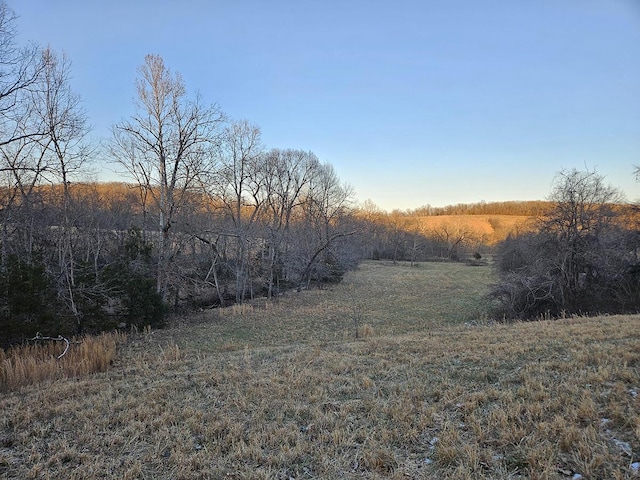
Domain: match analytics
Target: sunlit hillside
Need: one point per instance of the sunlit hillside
(488, 228)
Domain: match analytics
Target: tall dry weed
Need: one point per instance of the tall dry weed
(367, 331)
(236, 310)
(39, 362)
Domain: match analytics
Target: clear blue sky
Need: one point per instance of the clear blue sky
(413, 102)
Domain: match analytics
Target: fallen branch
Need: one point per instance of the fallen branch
(59, 338)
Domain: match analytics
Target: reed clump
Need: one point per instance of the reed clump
(43, 360)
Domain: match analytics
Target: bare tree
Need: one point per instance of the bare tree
(451, 236)
(238, 184)
(20, 68)
(374, 230)
(23, 165)
(287, 178)
(583, 208)
(63, 151)
(326, 206)
(581, 259)
(165, 147)
(415, 231)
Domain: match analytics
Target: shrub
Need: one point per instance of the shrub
(580, 261)
(28, 301)
(133, 285)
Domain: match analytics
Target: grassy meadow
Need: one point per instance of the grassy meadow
(394, 373)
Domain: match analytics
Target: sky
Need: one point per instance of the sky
(413, 102)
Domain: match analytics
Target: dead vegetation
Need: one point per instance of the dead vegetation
(271, 392)
(45, 360)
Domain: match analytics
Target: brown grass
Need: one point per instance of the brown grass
(491, 228)
(38, 362)
(431, 399)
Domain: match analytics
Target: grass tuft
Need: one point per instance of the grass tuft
(367, 331)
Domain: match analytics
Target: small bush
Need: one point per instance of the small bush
(131, 281)
(28, 302)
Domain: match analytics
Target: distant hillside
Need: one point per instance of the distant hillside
(490, 229)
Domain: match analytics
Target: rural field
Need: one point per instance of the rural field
(394, 373)
(489, 228)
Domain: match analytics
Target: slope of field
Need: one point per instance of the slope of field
(490, 228)
(279, 391)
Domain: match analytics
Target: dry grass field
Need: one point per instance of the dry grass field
(490, 228)
(428, 389)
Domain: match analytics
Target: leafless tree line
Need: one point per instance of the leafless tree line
(210, 215)
(42, 131)
(281, 211)
(401, 236)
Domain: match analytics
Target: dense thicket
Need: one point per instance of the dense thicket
(111, 245)
(582, 259)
